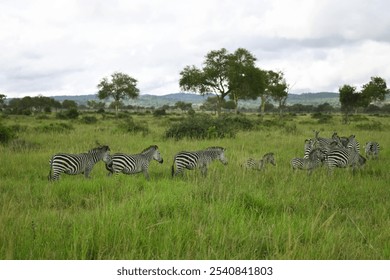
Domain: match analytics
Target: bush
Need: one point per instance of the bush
(89, 120)
(206, 127)
(159, 112)
(6, 134)
(371, 126)
(55, 127)
(128, 125)
(69, 114)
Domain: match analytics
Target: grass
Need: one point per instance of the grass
(231, 214)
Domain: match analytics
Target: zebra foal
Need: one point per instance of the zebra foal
(314, 160)
(268, 158)
(197, 159)
(132, 164)
(372, 149)
(73, 164)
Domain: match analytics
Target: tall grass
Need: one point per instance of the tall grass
(231, 214)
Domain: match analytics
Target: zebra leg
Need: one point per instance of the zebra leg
(146, 174)
(203, 170)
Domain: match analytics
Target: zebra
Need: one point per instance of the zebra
(344, 157)
(73, 164)
(200, 159)
(132, 164)
(260, 164)
(314, 160)
(310, 144)
(372, 149)
(325, 143)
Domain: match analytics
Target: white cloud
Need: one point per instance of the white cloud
(66, 47)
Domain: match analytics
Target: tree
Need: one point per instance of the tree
(183, 105)
(277, 88)
(373, 91)
(349, 99)
(69, 104)
(120, 87)
(2, 100)
(223, 73)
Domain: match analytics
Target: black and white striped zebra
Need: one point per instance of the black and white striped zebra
(197, 159)
(325, 143)
(342, 157)
(314, 160)
(268, 158)
(372, 150)
(73, 164)
(136, 163)
(310, 144)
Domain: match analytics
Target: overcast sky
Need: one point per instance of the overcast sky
(65, 47)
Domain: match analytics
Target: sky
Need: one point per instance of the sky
(66, 47)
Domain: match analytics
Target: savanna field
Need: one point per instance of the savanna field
(232, 213)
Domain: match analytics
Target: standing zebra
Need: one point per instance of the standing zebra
(343, 157)
(73, 164)
(325, 143)
(200, 159)
(314, 160)
(131, 164)
(372, 149)
(260, 164)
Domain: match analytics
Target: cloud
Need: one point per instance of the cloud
(67, 47)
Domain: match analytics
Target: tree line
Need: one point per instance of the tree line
(226, 75)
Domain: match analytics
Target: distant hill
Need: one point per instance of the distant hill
(147, 100)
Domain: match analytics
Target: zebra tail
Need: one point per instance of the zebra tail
(173, 169)
(51, 169)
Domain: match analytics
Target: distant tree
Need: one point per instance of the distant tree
(277, 88)
(223, 73)
(69, 104)
(210, 104)
(2, 100)
(183, 105)
(93, 104)
(120, 87)
(349, 99)
(324, 108)
(373, 91)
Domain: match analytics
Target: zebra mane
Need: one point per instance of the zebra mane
(100, 147)
(268, 154)
(215, 148)
(155, 147)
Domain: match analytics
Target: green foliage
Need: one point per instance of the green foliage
(89, 119)
(206, 127)
(129, 125)
(370, 126)
(55, 128)
(322, 118)
(69, 114)
(6, 134)
(159, 112)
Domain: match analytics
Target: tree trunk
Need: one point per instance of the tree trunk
(262, 105)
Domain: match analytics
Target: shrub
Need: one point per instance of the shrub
(6, 134)
(55, 127)
(372, 126)
(89, 119)
(129, 125)
(159, 112)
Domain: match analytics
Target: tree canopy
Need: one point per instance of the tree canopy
(121, 86)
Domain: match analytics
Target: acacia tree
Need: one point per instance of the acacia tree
(223, 73)
(120, 87)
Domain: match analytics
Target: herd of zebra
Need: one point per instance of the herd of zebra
(332, 152)
(73, 164)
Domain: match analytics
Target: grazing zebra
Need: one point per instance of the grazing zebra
(73, 164)
(200, 159)
(314, 160)
(344, 157)
(372, 149)
(131, 164)
(260, 164)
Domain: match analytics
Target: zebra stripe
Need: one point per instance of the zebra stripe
(342, 157)
(314, 160)
(326, 144)
(268, 158)
(132, 164)
(197, 159)
(309, 146)
(372, 149)
(73, 164)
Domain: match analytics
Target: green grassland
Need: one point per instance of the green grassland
(232, 213)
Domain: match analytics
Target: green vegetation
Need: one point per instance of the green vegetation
(231, 214)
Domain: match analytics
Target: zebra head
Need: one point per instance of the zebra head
(154, 153)
(269, 158)
(316, 155)
(101, 153)
(219, 153)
